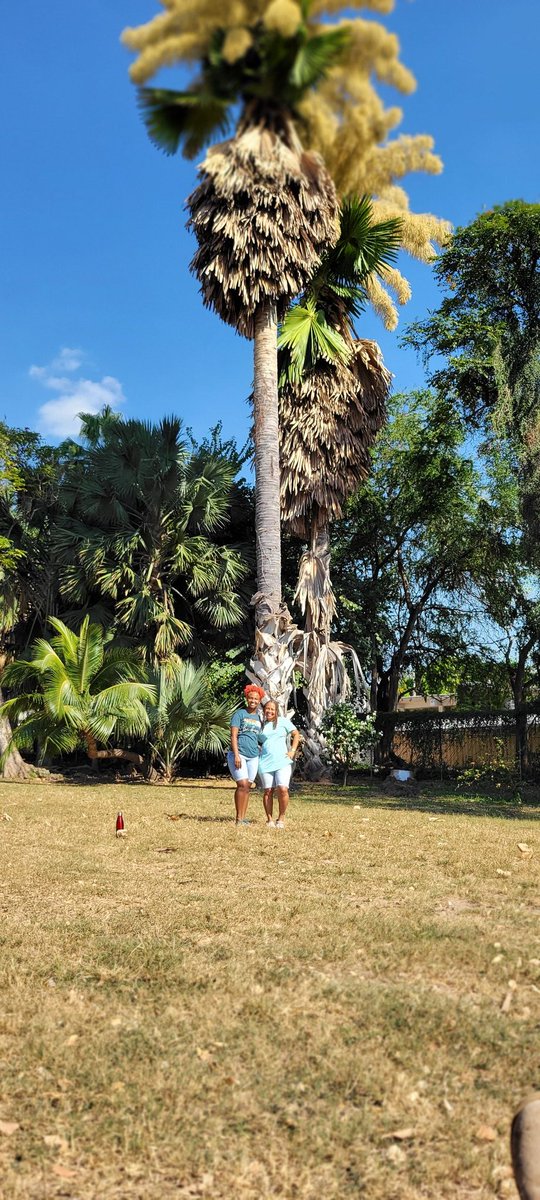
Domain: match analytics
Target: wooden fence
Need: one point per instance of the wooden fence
(453, 741)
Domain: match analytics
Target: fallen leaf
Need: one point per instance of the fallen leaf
(8, 1127)
(73, 1037)
(6, 817)
(400, 1135)
(204, 1055)
(486, 1133)
(506, 1004)
(63, 1172)
(505, 874)
(55, 1141)
(524, 847)
(229, 1079)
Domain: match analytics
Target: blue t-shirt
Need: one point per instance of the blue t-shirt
(249, 732)
(274, 752)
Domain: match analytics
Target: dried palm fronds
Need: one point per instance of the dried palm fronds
(328, 424)
(263, 213)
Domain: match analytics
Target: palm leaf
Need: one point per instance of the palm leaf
(307, 336)
(364, 246)
(186, 119)
(316, 56)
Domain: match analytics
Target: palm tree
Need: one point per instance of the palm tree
(77, 690)
(185, 718)
(29, 475)
(264, 213)
(139, 535)
(332, 404)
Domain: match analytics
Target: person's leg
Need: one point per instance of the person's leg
(241, 798)
(242, 777)
(267, 782)
(283, 801)
(282, 779)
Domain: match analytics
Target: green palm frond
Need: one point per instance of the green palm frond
(316, 56)
(307, 337)
(124, 697)
(66, 642)
(183, 119)
(364, 247)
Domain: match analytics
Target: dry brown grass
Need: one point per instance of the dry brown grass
(254, 1014)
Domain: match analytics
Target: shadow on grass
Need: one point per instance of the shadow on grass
(432, 798)
(200, 817)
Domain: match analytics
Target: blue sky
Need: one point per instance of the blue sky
(97, 303)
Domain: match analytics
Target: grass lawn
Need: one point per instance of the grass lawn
(318, 1014)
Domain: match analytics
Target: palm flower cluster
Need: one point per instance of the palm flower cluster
(341, 117)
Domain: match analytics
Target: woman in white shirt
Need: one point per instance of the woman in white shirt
(275, 762)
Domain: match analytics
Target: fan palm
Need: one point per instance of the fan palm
(332, 403)
(185, 718)
(140, 533)
(264, 212)
(77, 690)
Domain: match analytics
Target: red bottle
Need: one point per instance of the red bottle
(120, 829)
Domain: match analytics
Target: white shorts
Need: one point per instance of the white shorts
(248, 770)
(272, 779)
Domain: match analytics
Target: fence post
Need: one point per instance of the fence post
(440, 747)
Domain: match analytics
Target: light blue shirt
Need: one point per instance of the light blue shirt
(274, 750)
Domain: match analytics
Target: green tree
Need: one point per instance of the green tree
(185, 718)
(409, 544)
(138, 537)
(487, 328)
(348, 734)
(78, 690)
(29, 483)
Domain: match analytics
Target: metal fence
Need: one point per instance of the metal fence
(448, 742)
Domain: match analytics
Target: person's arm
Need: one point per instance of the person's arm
(296, 739)
(234, 747)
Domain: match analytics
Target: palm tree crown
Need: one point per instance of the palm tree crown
(141, 528)
(333, 385)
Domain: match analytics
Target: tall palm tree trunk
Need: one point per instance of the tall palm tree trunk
(266, 436)
(272, 665)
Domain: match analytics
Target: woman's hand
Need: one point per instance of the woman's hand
(291, 755)
(237, 761)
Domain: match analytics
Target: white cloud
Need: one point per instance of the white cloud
(59, 417)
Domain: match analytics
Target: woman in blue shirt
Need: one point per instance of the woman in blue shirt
(275, 762)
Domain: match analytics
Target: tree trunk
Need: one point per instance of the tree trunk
(321, 660)
(517, 683)
(14, 766)
(96, 755)
(272, 665)
(267, 477)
